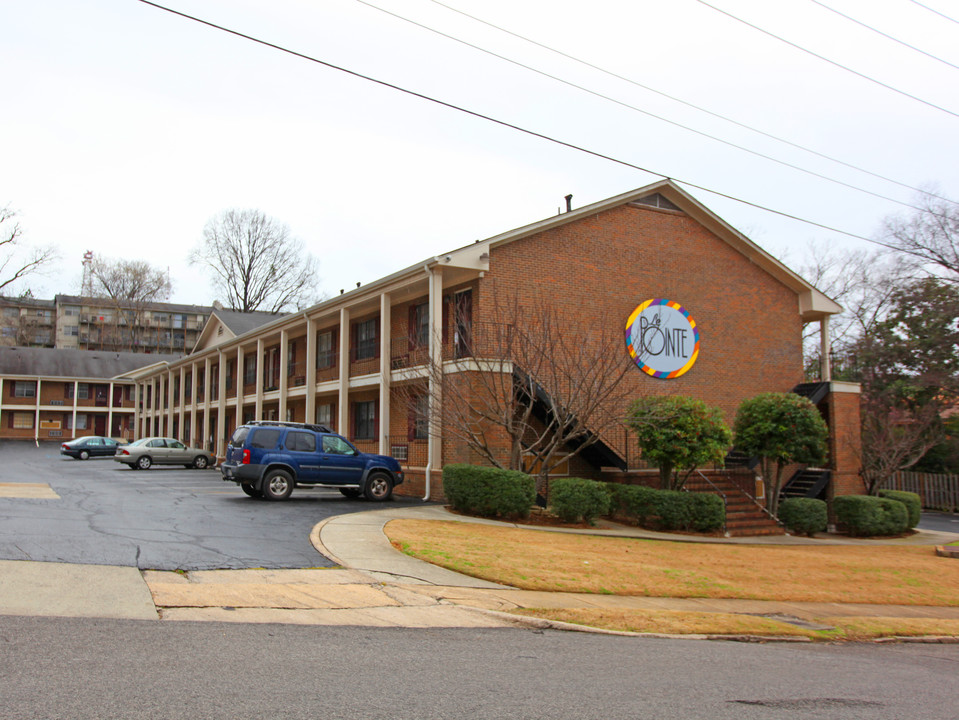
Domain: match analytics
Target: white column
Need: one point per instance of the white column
(73, 422)
(259, 379)
(207, 391)
(239, 386)
(284, 380)
(136, 409)
(36, 415)
(219, 448)
(310, 370)
(194, 405)
(385, 372)
(436, 362)
(184, 437)
(169, 405)
(110, 410)
(343, 401)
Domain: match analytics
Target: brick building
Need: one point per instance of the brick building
(52, 394)
(348, 361)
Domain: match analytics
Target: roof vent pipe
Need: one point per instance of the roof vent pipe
(569, 203)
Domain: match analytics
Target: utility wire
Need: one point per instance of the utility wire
(885, 35)
(638, 84)
(825, 59)
(640, 110)
(932, 10)
(503, 123)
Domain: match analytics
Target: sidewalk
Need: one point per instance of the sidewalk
(377, 586)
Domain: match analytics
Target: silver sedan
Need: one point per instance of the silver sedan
(143, 453)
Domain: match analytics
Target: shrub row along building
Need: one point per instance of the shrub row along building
(693, 307)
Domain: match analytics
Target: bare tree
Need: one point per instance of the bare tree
(538, 389)
(18, 261)
(256, 263)
(896, 434)
(131, 285)
(862, 282)
(930, 236)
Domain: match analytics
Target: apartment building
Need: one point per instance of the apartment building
(93, 323)
(626, 262)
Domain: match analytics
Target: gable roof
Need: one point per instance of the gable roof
(69, 363)
(813, 304)
(224, 325)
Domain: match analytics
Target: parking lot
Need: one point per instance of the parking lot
(98, 511)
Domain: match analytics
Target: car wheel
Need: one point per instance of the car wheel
(379, 486)
(277, 485)
(144, 462)
(351, 492)
(251, 491)
(84, 454)
(200, 462)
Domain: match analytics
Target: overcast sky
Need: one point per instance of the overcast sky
(125, 128)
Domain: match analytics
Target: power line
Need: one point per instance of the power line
(503, 123)
(700, 108)
(932, 10)
(640, 110)
(825, 59)
(885, 35)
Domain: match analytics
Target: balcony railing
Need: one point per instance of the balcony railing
(487, 340)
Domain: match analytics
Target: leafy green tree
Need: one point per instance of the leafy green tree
(678, 434)
(908, 365)
(780, 429)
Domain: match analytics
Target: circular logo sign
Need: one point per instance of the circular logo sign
(662, 338)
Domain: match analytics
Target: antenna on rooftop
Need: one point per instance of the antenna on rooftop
(86, 287)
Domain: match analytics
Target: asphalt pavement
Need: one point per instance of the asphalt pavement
(375, 585)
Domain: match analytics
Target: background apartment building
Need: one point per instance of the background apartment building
(95, 323)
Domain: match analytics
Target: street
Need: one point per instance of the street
(76, 668)
(165, 518)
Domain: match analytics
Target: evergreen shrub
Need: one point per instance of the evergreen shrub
(489, 492)
(911, 500)
(668, 509)
(577, 498)
(804, 515)
(867, 515)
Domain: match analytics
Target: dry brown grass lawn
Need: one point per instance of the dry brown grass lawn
(537, 560)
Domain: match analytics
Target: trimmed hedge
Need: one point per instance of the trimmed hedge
(804, 515)
(866, 515)
(577, 498)
(668, 509)
(911, 500)
(489, 492)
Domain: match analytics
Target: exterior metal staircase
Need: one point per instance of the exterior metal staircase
(807, 483)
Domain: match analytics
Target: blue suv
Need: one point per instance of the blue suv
(269, 459)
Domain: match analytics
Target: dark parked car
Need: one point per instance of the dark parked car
(269, 459)
(145, 452)
(82, 448)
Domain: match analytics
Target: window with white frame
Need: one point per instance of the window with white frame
(365, 420)
(324, 414)
(325, 355)
(24, 389)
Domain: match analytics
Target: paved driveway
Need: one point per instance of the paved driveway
(100, 512)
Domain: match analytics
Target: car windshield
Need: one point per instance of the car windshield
(141, 441)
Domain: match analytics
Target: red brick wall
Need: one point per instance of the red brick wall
(845, 444)
(603, 266)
